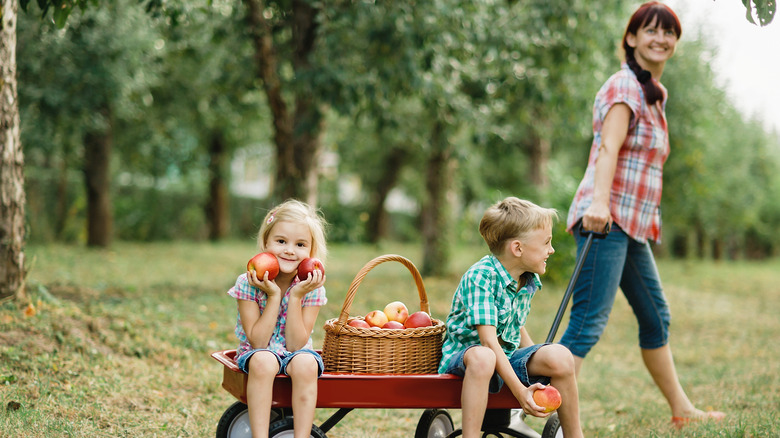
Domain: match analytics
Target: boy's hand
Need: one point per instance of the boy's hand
(270, 287)
(316, 279)
(527, 402)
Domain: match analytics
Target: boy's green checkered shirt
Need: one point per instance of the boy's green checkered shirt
(487, 295)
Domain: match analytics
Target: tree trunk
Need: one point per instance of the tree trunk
(12, 197)
(296, 134)
(538, 157)
(435, 213)
(376, 228)
(217, 204)
(97, 157)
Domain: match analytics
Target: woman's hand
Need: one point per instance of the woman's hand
(597, 217)
(315, 280)
(270, 287)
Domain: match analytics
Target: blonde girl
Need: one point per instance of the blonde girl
(276, 317)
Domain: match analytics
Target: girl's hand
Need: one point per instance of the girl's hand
(597, 217)
(315, 280)
(270, 287)
(528, 404)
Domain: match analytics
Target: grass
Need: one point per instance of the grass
(120, 340)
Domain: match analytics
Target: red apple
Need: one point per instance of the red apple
(549, 398)
(307, 266)
(376, 318)
(393, 325)
(396, 311)
(262, 263)
(358, 323)
(418, 319)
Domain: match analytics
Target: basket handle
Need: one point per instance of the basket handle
(344, 315)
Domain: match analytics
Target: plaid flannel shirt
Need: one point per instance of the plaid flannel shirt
(487, 295)
(242, 290)
(635, 195)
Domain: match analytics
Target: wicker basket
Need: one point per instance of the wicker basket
(348, 349)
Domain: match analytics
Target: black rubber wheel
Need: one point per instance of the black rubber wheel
(552, 428)
(434, 423)
(235, 421)
(284, 429)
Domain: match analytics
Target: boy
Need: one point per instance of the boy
(486, 341)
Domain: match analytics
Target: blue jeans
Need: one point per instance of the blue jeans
(617, 260)
(243, 360)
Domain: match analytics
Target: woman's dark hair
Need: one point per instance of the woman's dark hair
(666, 19)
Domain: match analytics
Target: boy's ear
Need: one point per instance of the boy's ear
(516, 247)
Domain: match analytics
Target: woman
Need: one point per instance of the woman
(621, 190)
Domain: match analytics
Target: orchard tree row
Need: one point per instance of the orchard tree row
(450, 103)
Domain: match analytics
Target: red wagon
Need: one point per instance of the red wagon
(434, 393)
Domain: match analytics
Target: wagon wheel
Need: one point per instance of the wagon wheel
(234, 423)
(284, 429)
(552, 428)
(434, 423)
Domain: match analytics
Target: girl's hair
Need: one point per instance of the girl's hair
(666, 19)
(301, 213)
(512, 218)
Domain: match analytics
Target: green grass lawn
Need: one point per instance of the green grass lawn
(120, 340)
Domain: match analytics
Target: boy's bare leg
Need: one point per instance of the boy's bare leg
(480, 365)
(557, 362)
(303, 373)
(263, 368)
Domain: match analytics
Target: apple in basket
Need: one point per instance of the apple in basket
(376, 318)
(418, 319)
(393, 325)
(308, 265)
(265, 261)
(396, 311)
(358, 323)
(549, 398)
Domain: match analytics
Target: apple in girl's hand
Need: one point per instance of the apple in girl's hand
(418, 319)
(307, 266)
(376, 318)
(549, 398)
(262, 263)
(396, 311)
(358, 323)
(393, 325)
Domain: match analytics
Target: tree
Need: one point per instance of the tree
(111, 60)
(285, 34)
(12, 198)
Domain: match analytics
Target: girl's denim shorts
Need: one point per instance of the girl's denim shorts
(518, 360)
(243, 360)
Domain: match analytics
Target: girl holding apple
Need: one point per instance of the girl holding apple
(276, 316)
(621, 189)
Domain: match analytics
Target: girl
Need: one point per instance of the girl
(621, 189)
(276, 317)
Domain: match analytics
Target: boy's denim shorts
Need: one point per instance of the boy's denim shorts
(518, 360)
(243, 360)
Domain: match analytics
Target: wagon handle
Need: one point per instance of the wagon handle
(344, 315)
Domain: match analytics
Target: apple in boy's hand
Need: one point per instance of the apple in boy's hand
(376, 318)
(396, 311)
(358, 323)
(549, 398)
(418, 319)
(262, 263)
(393, 325)
(307, 266)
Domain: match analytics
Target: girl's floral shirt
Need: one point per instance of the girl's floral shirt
(242, 290)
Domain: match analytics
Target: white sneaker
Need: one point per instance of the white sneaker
(517, 423)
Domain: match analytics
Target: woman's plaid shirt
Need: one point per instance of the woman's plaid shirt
(635, 196)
